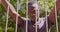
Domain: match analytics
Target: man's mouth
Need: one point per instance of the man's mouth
(34, 14)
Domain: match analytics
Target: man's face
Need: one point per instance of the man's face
(33, 12)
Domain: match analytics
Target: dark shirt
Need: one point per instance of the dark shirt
(31, 27)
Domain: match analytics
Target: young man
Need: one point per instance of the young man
(33, 9)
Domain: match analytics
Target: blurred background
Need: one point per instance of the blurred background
(22, 12)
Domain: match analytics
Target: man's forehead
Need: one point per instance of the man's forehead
(35, 5)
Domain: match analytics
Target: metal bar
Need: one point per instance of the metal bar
(36, 21)
(17, 17)
(56, 17)
(0, 1)
(27, 15)
(45, 4)
(7, 19)
(36, 16)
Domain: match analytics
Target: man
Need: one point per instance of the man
(33, 9)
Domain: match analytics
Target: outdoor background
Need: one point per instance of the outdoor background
(22, 12)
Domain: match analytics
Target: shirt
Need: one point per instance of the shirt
(31, 27)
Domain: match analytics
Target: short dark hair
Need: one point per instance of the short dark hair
(30, 4)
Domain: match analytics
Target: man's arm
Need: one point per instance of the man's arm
(52, 14)
(12, 11)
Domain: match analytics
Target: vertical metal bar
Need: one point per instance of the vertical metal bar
(45, 4)
(17, 16)
(56, 16)
(0, 1)
(36, 21)
(7, 19)
(36, 16)
(27, 15)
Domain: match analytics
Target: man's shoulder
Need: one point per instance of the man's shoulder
(42, 18)
(24, 19)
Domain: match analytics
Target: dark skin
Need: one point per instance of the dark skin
(32, 13)
(11, 12)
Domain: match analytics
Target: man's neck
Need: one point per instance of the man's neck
(34, 21)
